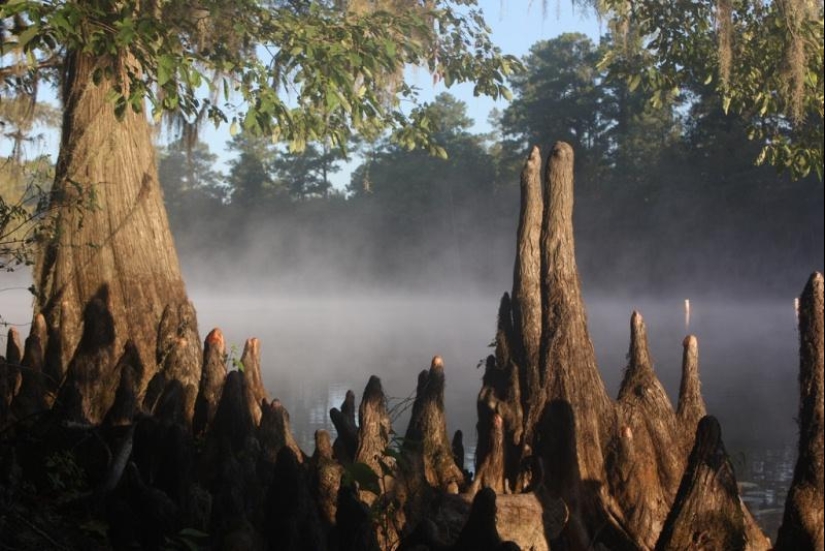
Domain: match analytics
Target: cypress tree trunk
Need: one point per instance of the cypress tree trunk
(113, 261)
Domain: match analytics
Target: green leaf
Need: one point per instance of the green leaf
(166, 67)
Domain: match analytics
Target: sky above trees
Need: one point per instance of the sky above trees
(515, 29)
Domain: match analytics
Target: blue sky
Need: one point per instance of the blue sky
(516, 26)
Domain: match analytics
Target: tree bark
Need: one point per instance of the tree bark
(426, 439)
(577, 414)
(526, 298)
(116, 255)
(213, 376)
(802, 525)
(374, 428)
(647, 459)
(255, 391)
(707, 512)
(691, 406)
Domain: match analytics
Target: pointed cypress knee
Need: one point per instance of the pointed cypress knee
(178, 352)
(458, 449)
(10, 375)
(526, 297)
(646, 461)
(707, 512)
(802, 525)
(125, 405)
(213, 375)
(691, 406)
(426, 436)
(275, 432)
(501, 392)
(14, 348)
(255, 391)
(31, 399)
(490, 472)
(374, 427)
(346, 444)
(576, 404)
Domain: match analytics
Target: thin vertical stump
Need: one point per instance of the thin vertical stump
(213, 375)
(255, 391)
(691, 406)
(275, 433)
(802, 525)
(346, 444)
(526, 296)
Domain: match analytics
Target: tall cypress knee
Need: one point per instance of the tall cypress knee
(802, 525)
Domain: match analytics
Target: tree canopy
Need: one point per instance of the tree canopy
(763, 59)
(294, 70)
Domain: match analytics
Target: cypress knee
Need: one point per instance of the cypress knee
(691, 406)
(255, 391)
(707, 512)
(802, 525)
(213, 375)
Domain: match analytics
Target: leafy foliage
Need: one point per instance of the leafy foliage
(764, 60)
(292, 70)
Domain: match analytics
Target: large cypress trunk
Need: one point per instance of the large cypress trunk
(111, 268)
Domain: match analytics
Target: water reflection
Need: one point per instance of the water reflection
(764, 475)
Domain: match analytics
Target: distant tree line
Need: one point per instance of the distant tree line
(667, 192)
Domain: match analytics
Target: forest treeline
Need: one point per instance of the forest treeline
(666, 195)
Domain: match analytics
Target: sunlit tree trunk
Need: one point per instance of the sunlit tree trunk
(111, 265)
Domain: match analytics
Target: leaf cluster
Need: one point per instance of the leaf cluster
(295, 71)
(764, 60)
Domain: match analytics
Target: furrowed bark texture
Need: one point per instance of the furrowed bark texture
(114, 258)
(213, 375)
(802, 525)
(647, 459)
(691, 406)
(255, 391)
(617, 466)
(374, 427)
(577, 411)
(707, 512)
(426, 439)
(526, 298)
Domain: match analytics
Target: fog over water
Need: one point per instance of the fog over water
(315, 347)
